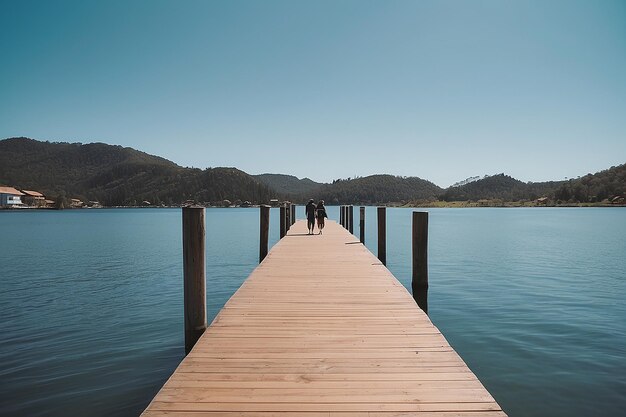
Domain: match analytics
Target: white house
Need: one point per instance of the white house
(10, 197)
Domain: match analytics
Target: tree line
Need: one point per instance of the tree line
(118, 176)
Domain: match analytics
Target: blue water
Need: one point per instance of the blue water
(91, 302)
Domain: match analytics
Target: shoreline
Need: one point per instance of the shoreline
(451, 204)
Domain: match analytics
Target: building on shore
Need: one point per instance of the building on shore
(76, 203)
(33, 198)
(10, 197)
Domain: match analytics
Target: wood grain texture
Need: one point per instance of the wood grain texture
(321, 328)
(264, 230)
(194, 275)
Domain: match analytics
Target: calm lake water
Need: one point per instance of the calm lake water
(91, 302)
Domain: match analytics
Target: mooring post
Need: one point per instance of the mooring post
(283, 226)
(382, 235)
(194, 279)
(341, 215)
(419, 282)
(351, 219)
(264, 232)
(362, 224)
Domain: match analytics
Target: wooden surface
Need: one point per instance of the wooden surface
(264, 226)
(194, 278)
(381, 218)
(322, 328)
(419, 279)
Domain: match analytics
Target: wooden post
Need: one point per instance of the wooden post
(265, 232)
(341, 215)
(283, 226)
(194, 279)
(293, 213)
(419, 282)
(351, 219)
(362, 224)
(382, 235)
(287, 217)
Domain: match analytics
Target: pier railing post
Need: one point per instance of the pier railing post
(264, 232)
(351, 219)
(341, 215)
(194, 278)
(382, 235)
(419, 282)
(287, 217)
(293, 214)
(362, 224)
(283, 225)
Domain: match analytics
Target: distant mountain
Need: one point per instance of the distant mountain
(115, 175)
(378, 189)
(501, 186)
(288, 184)
(604, 185)
(591, 188)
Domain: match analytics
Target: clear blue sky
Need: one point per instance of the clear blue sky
(442, 90)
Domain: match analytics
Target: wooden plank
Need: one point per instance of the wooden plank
(316, 406)
(322, 328)
(332, 385)
(337, 396)
(461, 375)
(321, 369)
(327, 414)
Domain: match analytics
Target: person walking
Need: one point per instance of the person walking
(310, 215)
(321, 215)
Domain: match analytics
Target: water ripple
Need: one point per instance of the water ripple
(91, 302)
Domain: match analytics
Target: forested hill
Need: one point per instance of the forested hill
(115, 175)
(502, 187)
(378, 189)
(609, 184)
(605, 186)
(288, 185)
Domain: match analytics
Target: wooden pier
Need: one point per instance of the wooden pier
(322, 328)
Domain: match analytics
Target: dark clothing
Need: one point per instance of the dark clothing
(310, 211)
(321, 212)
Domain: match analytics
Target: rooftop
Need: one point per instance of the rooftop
(10, 190)
(32, 193)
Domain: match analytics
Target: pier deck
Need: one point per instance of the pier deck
(322, 328)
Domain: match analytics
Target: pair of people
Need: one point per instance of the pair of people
(315, 212)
